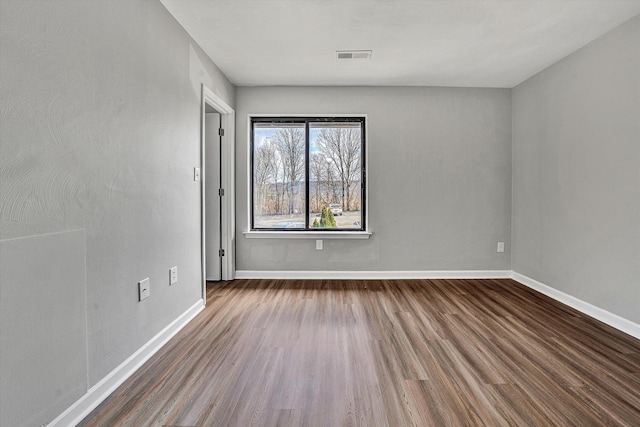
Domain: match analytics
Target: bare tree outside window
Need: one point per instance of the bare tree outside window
(319, 177)
(290, 144)
(342, 147)
(265, 173)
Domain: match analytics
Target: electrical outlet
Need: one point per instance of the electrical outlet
(318, 245)
(173, 275)
(196, 174)
(500, 246)
(143, 289)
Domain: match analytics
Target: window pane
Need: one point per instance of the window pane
(279, 175)
(335, 175)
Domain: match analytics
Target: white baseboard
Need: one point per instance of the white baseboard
(598, 313)
(379, 275)
(99, 392)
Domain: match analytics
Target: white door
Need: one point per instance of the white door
(212, 197)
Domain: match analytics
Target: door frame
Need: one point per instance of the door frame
(227, 182)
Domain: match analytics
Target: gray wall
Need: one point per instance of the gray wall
(100, 112)
(576, 174)
(439, 179)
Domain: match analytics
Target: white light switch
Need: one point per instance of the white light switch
(318, 245)
(143, 289)
(173, 275)
(500, 246)
(196, 174)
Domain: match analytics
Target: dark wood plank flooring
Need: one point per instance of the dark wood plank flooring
(383, 353)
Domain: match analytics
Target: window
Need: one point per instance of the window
(308, 174)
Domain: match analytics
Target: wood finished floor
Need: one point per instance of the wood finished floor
(383, 353)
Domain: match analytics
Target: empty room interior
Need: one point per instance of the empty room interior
(319, 213)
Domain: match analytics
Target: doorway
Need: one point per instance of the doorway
(218, 190)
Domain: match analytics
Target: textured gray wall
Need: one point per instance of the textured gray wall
(439, 179)
(100, 112)
(576, 174)
(43, 337)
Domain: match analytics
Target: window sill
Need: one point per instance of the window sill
(307, 234)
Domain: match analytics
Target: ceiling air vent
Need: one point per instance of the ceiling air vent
(353, 54)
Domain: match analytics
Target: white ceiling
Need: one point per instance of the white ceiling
(478, 43)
